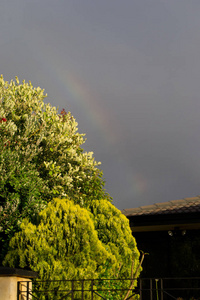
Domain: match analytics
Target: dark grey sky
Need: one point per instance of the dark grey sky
(129, 71)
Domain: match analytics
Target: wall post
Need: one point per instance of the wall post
(9, 282)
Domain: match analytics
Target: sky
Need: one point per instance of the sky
(129, 72)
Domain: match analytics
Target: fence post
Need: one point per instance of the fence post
(72, 289)
(151, 289)
(92, 289)
(82, 289)
(27, 291)
(10, 289)
(18, 289)
(157, 289)
(161, 286)
(140, 288)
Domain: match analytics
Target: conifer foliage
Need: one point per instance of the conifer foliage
(63, 244)
(70, 242)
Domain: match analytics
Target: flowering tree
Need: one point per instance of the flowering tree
(40, 157)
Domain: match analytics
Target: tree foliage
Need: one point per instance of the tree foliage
(70, 242)
(62, 245)
(115, 234)
(40, 157)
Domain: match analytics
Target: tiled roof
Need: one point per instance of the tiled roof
(186, 205)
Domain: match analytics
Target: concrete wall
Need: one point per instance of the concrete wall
(8, 287)
(9, 278)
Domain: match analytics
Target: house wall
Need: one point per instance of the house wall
(170, 256)
(8, 287)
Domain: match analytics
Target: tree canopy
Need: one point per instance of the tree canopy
(41, 156)
(115, 234)
(53, 206)
(70, 242)
(62, 244)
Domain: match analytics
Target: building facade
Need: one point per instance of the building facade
(170, 233)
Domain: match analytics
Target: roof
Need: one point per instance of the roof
(186, 205)
(6, 271)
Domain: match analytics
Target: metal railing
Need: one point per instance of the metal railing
(185, 288)
(111, 289)
(93, 289)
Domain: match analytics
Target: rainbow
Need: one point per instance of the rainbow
(79, 91)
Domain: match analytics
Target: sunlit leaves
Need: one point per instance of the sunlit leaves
(64, 236)
(40, 156)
